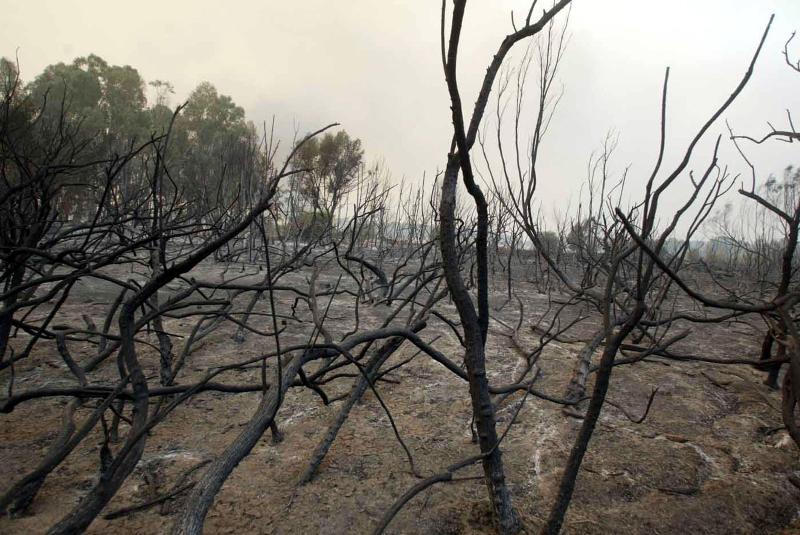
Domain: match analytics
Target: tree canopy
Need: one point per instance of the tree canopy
(108, 106)
(332, 164)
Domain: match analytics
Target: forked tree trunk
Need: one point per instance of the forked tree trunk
(126, 459)
(474, 358)
(576, 389)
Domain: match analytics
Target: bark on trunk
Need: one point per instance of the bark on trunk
(567, 485)
(202, 495)
(361, 384)
(474, 358)
(576, 389)
(123, 464)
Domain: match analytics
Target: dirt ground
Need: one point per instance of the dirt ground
(710, 458)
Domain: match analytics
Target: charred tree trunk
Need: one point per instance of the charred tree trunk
(112, 477)
(202, 495)
(474, 357)
(576, 389)
(570, 475)
(361, 384)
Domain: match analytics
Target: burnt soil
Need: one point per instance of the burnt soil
(711, 457)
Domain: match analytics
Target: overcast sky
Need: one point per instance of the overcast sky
(374, 67)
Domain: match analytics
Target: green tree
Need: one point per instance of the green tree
(215, 144)
(9, 76)
(333, 164)
(108, 101)
(550, 242)
(76, 89)
(210, 116)
(16, 107)
(124, 103)
(160, 113)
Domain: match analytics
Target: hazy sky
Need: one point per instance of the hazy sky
(374, 66)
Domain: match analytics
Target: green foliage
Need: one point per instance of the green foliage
(19, 108)
(8, 76)
(332, 163)
(108, 101)
(582, 234)
(212, 156)
(311, 226)
(783, 192)
(550, 242)
(215, 145)
(209, 116)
